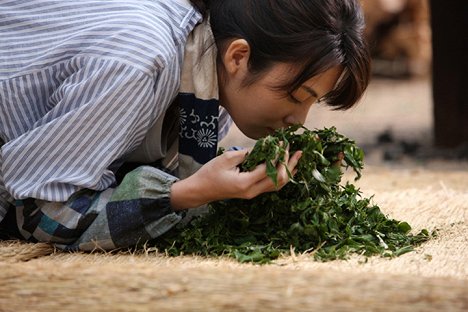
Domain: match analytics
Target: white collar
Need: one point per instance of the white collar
(199, 73)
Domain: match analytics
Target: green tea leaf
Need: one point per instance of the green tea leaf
(315, 213)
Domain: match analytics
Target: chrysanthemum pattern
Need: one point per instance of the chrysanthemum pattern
(198, 128)
(198, 137)
(182, 116)
(206, 138)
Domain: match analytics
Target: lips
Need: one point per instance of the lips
(273, 129)
(270, 130)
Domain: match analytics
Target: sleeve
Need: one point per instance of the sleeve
(100, 112)
(133, 213)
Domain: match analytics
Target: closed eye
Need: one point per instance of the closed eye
(294, 100)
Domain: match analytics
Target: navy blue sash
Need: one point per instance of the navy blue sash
(198, 136)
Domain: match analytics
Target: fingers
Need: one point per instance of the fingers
(256, 175)
(340, 157)
(256, 181)
(224, 179)
(282, 170)
(287, 169)
(263, 183)
(276, 160)
(294, 160)
(234, 158)
(260, 173)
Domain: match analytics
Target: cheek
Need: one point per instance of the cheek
(262, 104)
(269, 109)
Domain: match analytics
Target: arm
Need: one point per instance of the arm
(132, 213)
(102, 111)
(142, 207)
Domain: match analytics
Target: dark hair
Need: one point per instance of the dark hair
(201, 5)
(316, 34)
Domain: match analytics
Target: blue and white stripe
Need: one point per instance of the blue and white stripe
(81, 82)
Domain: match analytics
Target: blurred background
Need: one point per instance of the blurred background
(414, 109)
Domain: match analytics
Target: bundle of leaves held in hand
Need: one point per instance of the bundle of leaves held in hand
(313, 213)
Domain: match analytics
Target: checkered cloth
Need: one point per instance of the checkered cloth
(134, 212)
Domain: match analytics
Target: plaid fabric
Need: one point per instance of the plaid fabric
(134, 212)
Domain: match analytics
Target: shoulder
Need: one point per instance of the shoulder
(155, 31)
(147, 34)
(169, 20)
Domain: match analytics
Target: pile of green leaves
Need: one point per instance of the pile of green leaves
(313, 213)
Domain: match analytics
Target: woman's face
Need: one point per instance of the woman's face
(258, 109)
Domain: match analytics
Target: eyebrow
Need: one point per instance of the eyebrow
(310, 91)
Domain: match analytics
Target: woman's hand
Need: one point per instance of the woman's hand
(221, 178)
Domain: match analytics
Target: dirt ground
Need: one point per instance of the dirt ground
(425, 188)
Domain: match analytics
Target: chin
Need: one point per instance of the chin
(253, 136)
(257, 133)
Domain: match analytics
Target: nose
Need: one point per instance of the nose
(298, 116)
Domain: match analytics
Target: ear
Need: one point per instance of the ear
(236, 57)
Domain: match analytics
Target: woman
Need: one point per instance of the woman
(111, 110)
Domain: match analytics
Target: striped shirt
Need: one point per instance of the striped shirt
(81, 83)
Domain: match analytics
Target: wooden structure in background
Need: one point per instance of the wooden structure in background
(399, 34)
(449, 21)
